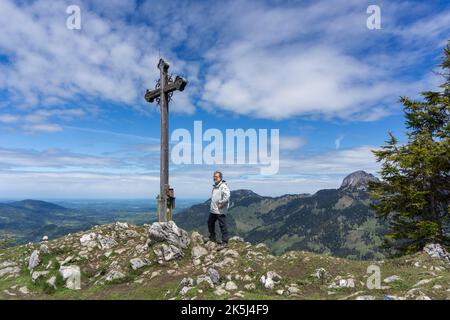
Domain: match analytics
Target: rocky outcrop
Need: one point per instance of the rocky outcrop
(357, 181)
(164, 258)
(170, 233)
(435, 250)
(72, 276)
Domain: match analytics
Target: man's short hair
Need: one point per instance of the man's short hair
(219, 173)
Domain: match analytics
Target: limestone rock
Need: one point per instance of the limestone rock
(232, 253)
(205, 278)
(435, 250)
(170, 233)
(270, 279)
(72, 276)
(392, 279)
(185, 290)
(198, 252)
(44, 249)
(220, 292)
(231, 286)
(24, 290)
(365, 298)
(293, 290)
(168, 252)
(214, 275)
(196, 238)
(89, 240)
(9, 271)
(187, 282)
(120, 226)
(137, 263)
(250, 286)
(237, 239)
(34, 260)
(38, 274)
(322, 274)
(342, 283)
(114, 275)
(107, 243)
(52, 282)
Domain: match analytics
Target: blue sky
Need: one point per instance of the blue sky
(74, 124)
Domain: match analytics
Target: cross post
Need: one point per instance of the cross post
(162, 94)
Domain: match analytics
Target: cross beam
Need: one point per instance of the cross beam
(161, 92)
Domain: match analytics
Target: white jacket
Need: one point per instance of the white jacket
(220, 195)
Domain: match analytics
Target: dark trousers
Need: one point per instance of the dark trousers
(222, 224)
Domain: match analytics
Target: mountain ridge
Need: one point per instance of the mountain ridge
(335, 221)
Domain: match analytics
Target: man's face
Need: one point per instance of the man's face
(216, 178)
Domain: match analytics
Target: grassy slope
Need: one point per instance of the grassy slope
(295, 267)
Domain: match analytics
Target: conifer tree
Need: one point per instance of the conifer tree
(413, 195)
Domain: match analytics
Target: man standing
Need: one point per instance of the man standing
(220, 201)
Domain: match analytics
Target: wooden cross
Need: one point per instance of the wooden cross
(162, 94)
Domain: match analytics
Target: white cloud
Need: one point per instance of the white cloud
(291, 143)
(8, 118)
(77, 185)
(250, 58)
(130, 178)
(51, 158)
(44, 127)
(337, 142)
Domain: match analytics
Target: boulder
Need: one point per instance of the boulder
(365, 298)
(268, 283)
(24, 290)
(198, 252)
(168, 252)
(114, 275)
(34, 260)
(89, 240)
(205, 278)
(214, 275)
(38, 274)
(227, 261)
(196, 238)
(120, 226)
(52, 282)
(137, 263)
(236, 239)
(72, 276)
(322, 274)
(170, 233)
(250, 286)
(232, 253)
(391, 279)
(107, 243)
(231, 286)
(9, 271)
(435, 250)
(44, 249)
(342, 283)
(293, 290)
(185, 290)
(220, 292)
(187, 282)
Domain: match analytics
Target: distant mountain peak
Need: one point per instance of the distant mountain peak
(244, 193)
(357, 181)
